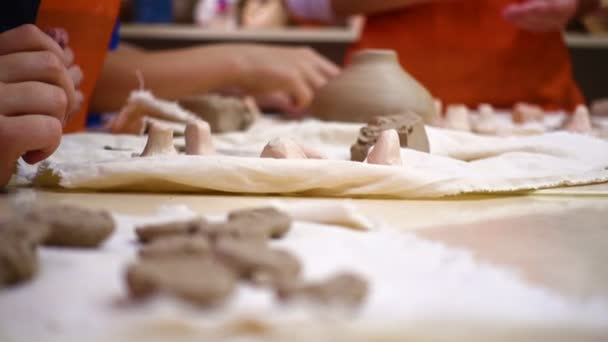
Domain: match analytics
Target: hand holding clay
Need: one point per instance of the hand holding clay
(37, 95)
(297, 71)
(387, 150)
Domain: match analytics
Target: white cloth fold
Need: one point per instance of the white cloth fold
(459, 163)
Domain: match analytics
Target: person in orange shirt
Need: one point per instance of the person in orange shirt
(473, 51)
(173, 74)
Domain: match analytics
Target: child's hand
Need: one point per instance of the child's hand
(542, 15)
(297, 72)
(36, 95)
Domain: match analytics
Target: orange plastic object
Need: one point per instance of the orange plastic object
(90, 25)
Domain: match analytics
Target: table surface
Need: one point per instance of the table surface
(556, 239)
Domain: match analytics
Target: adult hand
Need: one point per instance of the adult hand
(36, 95)
(542, 15)
(296, 72)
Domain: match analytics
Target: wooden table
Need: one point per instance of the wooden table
(557, 239)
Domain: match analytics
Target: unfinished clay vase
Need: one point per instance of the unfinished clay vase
(373, 85)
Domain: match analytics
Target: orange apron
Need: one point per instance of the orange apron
(89, 24)
(465, 52)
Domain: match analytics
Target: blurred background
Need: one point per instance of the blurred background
(160, 24)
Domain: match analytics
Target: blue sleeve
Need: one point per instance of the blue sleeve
(115, 36)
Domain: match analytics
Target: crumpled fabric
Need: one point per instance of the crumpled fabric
(459, 163)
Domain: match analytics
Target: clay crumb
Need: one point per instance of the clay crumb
(410, 129)
(580, 122)
(458, 118)
(525, 112)
(346, 289)
(257, 262)
(273, 222)
(152, 232)
(19, 240)
(200, 281)
(176, 246)
(72, 226)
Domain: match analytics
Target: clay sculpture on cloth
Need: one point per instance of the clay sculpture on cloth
(198, 139)
(285, 148)
(142, 105)
(224, 114)
(160, 141)
(374, 84)
(272, 222)
(19, 240)
(486, 122)
(201, 262)
(157, 231)
(258, 262)
(176, 246)
(580, 122)
(72, 226)
(201, 281)
(525, 112)
(409, 127)
(458, 117)
(386, 150)
(346, 290)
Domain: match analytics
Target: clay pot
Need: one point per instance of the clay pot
(373, 84)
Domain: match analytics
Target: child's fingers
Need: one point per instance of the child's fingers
(41, 66)
(328, 68)
(300, 91)
(59, 35)
(50, 100)
(35, 137)
(76, 75)
(29, 38)
(69, 56)
(313, 76)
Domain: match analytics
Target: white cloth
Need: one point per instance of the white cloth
(80, 294)
(459, 163)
